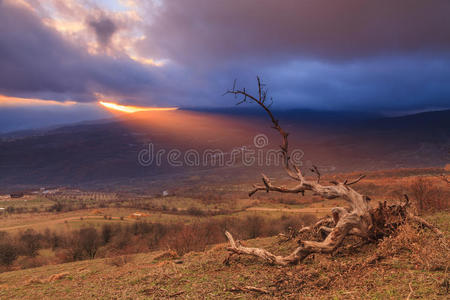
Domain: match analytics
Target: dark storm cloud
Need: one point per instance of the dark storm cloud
(344, 54)
(104, 29)
(381, 84)
(35, 61)
(378, 84)
(204, 30)
(341, 54)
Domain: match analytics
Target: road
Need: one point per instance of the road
(308, 210)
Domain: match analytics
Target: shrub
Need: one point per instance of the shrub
(89, 241)
(56, 207)
(158, 231)
(120, 239)
(8, 253)
(254, 226)
(52, 239)
(106, 233)
(139, 237)
(194, 211)
(420, 247)
(119, 261)
(287, 222)
(427, 195)
(81, 244)
(187, 239)
(30, 242)
(31, 262)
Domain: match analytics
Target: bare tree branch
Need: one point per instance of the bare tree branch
(355, 181)
(316, 170)
(360, 220)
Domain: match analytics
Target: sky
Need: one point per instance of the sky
(59, 58)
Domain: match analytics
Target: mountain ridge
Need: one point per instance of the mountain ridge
(106, 151)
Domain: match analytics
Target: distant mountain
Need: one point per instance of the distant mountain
(107, 151)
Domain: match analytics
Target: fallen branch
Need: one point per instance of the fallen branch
(249, 288)
(426, 224)
(411, 291)
(177, 294)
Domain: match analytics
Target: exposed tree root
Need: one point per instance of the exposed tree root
(360, 219)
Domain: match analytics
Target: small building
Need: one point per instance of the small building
(16, 195)
(47, 192)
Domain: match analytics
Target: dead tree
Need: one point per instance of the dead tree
(360, 219)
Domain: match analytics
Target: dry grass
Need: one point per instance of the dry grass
(119, 261)
(413, 258)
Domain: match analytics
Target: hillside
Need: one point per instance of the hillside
(411, 264)
(99, 154)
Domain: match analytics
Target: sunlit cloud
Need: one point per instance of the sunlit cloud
(21, 3)
(83, 23)
(133, 109)
(128, 3)
(185, 53)
(65, 27)
(6, 101)
(148, 61)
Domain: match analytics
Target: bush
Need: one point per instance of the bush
(427, 195)
(31, 262)
(119, 261)
(138, 237)
(58, 207)
(106, 233)
(194, 211)
(8, 253)
(52, 239)
(254, 226)
(89, 241)
(287, 222)
(187, 239)
(31, 242)
(120, 240)
(81, 244)
(158, 231)
(421, 248)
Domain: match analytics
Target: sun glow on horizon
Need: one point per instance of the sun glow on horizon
(8, 101)
(132, 109)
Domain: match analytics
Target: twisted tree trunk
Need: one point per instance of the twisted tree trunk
(368, 223)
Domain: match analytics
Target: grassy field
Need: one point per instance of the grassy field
(380, 185)
(418, 271)
(413, 261)
(30, 201)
